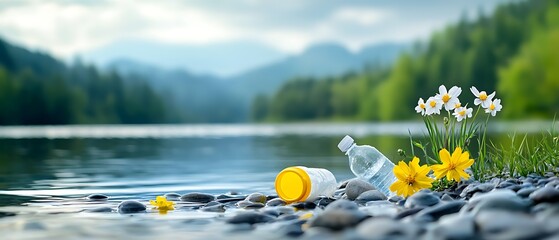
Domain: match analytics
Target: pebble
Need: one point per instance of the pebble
(371, 195)
(256, 198)
(355, 187)
(244, 203)
(545, 194)
(421, 199)
(439, 210)
(304, 205)
(508, 225)
(324, 201)
(500, 199)
(131, 206)
(172, 196)
(292, 229)
(197, 197)
(447, 197)
(454, 226)
(99, 210)
(395, 198)
(250, 217)
(342, 204)
(408, 212)
(97, 197)
(254, 206)
(275, 202)
(473, 188)
(338, 219)
(525, 192)
(214, 208)
(386, 228)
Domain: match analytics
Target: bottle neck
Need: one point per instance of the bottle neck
(350, 148)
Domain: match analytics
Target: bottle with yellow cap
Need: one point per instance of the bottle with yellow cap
(300, 184)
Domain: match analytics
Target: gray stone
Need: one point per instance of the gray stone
(447, 197)
(244, 203)
(173, 196)
(454, 226)
(342, 204)
(439, 210)
(545, 194)
(355, 187)
(292, 230)
(197, 197)
(250, 217)
(214, 208)
(385, 228)
(502, 199)
(131, 206)
(275, 202)
(525, 192)
(508, 225)
(421, 199)
(256, 198)
(337, 219)
(395, 198)
(304, 205)
(408, 212)
(254, 206)
(371, 195)
(97, 197)
(99, 210)
(285, 210)
(324, 201)
(473, 188)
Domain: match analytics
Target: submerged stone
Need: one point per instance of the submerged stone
(338, 219)
(250, 218)
(97, 197)
(275, 202)
(197, 197)
(131, 206)
(172, 196)
(99, 210)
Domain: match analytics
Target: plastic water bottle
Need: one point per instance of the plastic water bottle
(369, 164)
(300, 184)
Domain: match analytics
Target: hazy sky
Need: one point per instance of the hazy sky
(66, 27)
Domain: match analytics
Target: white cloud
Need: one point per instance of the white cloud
(69, 27)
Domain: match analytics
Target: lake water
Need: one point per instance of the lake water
(45, 172)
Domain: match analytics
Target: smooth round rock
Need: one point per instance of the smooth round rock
(437, 211)
(97, 197)
(508, 225)
(500, 199)
(243, 204)
(172, 196)
(395, 198)
(214, 208)
(355, 187)
(197, 197)
(545, 194)
(342, 204)
(421, 199)
(254, 206)
(454, 226)
(99, 210)
(473, 188)
(304, 205)
(131, 206)
(256, 198)
(250, 217)
(525, 192)
(338, 219)
(386, 228)
(275, 202)
(371, 195)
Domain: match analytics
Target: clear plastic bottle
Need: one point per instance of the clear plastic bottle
(369, 164)
(300, 184)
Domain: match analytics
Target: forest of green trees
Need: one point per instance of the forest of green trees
(37, 89)
(513, 50)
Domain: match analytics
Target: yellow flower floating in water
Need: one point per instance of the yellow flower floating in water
(411, 178)
(162, 204)
(453, 166)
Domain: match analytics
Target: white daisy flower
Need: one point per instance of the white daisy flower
(482, 97)
(450, 98)
(420, 107)
(494, 107)
(462, 113)
(433, 105)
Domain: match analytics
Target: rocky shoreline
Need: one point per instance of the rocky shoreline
(515, 208)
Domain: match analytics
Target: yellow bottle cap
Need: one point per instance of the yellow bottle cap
(293, 184)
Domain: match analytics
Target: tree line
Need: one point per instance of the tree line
(513, 51)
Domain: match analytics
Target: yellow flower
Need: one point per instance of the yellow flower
(453, 166)
(162, 204)
(410, 178)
